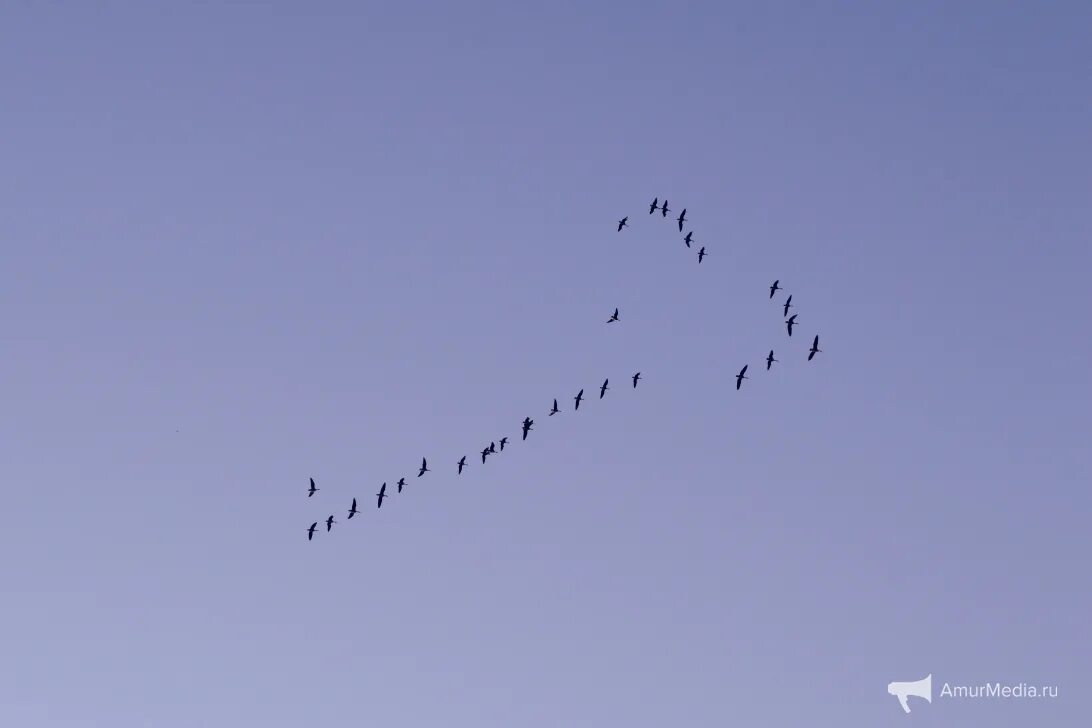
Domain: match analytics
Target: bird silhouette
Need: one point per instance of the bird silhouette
(424, 468)
(701, 254)
(311, 531)
(312, 490)
(653, 207)
(788, 305)
(741, 376)
(353, 511)
(791, 322)
(555, 410)
(682, 218)
(330, 523)
(689, 238)
(663, 209)
(775, 288)
(380, 496)
(527, 422)
(503, 442)
(401, 482)
(635, 378)
(462, 464)
(622, 223)
(493, 448)
(613, 316)
(814, 348)
(579, 396)
(485, 452)
(603, 389)
(769, 360)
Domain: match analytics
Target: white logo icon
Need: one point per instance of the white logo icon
(919, 688)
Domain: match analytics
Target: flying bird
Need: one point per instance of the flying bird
(613, 316)
(791, 322)
(622, 223)
(311, 531)
(503, 442)
(330, 523)
(653, 207)
(424, 468)
(555, 410)
(682, 218)
(775, 288)
(462, 464)
(579, 396)
(769, 360)
(603, 389)
(689, 238)
(635, 378)
(814, 348)
(401, 482)
(485, 452)
(353, 511)
(380, 496)
(741, 376)
(663, 208)
(701, 254)
(493, 448)
(527, 422)
(312, 490)
(788, 305)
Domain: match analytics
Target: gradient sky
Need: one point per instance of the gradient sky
(246, 244)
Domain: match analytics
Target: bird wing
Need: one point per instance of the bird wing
(815, 343)
(743, 370)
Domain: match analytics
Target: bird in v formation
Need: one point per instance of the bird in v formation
(528, 423)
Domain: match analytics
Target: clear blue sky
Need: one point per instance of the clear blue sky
(243, 246)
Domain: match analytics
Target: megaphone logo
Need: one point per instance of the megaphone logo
(919, 688)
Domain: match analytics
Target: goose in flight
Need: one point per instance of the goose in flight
(485, 453)
(701, 254)
(555, 410)
(635, 378)
(654, 206)
(689, 238)
(493, 448)
(775, 288)
(603, 389)
(311, 531)
(527, 422)
(791, 322)
(424, 467)
(503, 442)
(622, 223)
(462, 464)
(380, 496)
(769, 360)
(681, 218)
(741, 376)
(788, 305)
(579, 396)
(312, 490)
(401, 482)
(352, 510)
(814, 348)
(663, 209)
(330, 523)
(613, 316)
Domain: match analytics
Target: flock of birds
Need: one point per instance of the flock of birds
(528, 423)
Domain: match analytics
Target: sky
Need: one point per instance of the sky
(244, 245)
